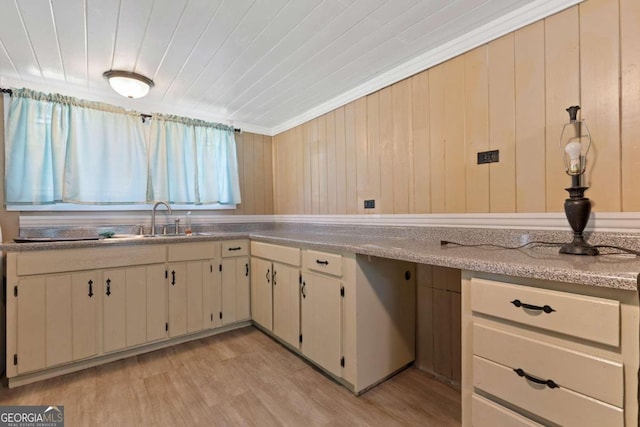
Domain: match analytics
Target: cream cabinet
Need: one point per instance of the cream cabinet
(321, 321)
(133, 310)
(56, 321)
(353, 316)
(539, 352)
(286, 303)
(235, 281)
(276, 310)
(261, 293)
(73, 308)
(321, 309)
(58, 310)
(190, 278)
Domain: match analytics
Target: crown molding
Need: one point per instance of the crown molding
(519, 18)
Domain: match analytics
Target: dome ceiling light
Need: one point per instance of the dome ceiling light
(128, 84)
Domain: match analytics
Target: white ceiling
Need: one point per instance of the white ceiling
(264, 65)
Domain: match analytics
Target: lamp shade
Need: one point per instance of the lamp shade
(128, 84)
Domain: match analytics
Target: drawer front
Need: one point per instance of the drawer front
(193, 251)
(558, 405)
(593, 376)
(324, 262)
(283, 254)
(62, 260)
(233, 248)
(485, 413)
(590, 318)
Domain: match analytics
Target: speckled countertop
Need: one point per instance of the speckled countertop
(612, 271)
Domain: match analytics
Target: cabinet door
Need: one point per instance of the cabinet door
(156, 302)
(59, 318)
(177, 299)
(136, 305)
(114, 306)
(321, 321)
(212, 293)
(261, 292)
(31, 333)
(85, 294)
(243, 297)
(229, 314)
(194, 296)
(286, 303)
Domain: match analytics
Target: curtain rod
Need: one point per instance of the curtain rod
(143, 116)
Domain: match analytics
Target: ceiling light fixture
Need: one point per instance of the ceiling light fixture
(128, 84)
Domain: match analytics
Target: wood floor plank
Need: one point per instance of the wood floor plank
(241, 377)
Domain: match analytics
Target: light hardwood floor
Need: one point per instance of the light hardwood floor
(240, 378)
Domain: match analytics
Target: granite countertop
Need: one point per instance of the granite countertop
(611, 271)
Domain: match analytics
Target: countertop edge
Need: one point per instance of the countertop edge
(627, 281)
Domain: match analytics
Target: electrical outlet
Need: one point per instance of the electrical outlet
(369, 204)
(488, 156)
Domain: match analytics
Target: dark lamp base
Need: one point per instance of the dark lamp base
(577, 208)
(579, 248)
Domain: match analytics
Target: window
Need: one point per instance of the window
(61, 151)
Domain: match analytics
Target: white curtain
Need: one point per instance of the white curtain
(35, 150)
(61, 149)
(106, 159)
(192, 162)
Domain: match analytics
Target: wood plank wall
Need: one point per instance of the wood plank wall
(412, 146)
(255, 169)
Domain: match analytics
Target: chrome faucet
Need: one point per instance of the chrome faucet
(153, 215)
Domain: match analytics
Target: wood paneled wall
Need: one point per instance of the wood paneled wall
(256, 174)
(412, 146)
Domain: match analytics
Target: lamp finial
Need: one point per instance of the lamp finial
(573, 113)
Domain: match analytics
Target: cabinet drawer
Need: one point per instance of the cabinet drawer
(558, 405)
(323, 262)
(283, 254)
(193, 251)
(590, 318)
(233, 248)
(593, 376)
(62, 260)
(485, 413)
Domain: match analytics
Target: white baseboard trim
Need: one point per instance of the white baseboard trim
(620, 222)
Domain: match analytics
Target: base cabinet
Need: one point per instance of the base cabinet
(71, 305)
(236, 304)
(353, 316)
(275, 295)
(547, 353)
(56, 320)
(287, 282)
(321, 321)
(262, 292)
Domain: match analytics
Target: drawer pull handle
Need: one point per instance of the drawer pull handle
(108, 287)
(90, 283)
(547, 309)
(548, 383)
(325, 262)
(268, 276)
(173, 277)
(246, 271)
(237, 248)
(302, 290)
